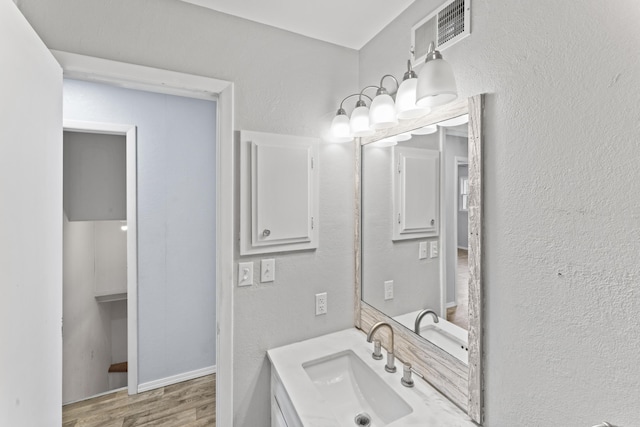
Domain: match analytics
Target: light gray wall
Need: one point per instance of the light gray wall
(454, 146)
(95, 176)
(416, 281)
(284, 83)
(176, 220)
(561, 225)
(30, 227)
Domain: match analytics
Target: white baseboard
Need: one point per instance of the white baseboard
(174, 379)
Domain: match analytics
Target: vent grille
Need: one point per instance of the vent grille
(451, 22)
(446, 26)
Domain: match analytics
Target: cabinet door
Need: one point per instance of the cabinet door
(416, 193)
(278, 193)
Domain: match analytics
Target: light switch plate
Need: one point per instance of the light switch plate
(245, 274)
(422, 251)
(267, 270)
(433, 249)
(388, 290)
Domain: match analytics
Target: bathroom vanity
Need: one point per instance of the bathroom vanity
(333, 380)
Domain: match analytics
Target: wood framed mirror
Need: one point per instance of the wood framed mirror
(461, 382)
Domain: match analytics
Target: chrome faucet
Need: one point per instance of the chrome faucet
(423, 313)
(390, 366)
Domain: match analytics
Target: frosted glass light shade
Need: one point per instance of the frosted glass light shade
(383, 112)
(340, 129)
(425, 130)
(403, 136)
(359, 123)
(406, 101)
(436, 84)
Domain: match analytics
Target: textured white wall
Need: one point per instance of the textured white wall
(30, 227)
(284, 83)
(561, 214)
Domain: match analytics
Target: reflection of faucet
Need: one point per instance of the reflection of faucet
(390, 366)
(423, 313)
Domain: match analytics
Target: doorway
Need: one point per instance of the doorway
(100, 263)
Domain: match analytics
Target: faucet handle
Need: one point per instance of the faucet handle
(406, 380)
(377, 350)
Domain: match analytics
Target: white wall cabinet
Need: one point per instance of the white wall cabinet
(416, 189)
(278, 193)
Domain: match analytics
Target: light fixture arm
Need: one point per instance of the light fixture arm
(341, 110)
(382, 90)
(410, 74)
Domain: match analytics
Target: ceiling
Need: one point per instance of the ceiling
(350, 23)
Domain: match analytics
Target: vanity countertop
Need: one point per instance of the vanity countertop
(430, 408)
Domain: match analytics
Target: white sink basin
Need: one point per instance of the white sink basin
(351, 387)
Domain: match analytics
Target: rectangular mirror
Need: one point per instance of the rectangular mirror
(418, 245)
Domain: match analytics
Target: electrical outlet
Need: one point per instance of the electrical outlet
(321, 303)
(433, 249)
(422, 251)
(388, 290)
(245, 274)
(267, 270)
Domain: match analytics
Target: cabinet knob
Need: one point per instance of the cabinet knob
(266, 232)
(433, 221)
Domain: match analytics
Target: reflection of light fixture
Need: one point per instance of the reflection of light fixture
(123, 227)
(404, 136)
(406, 97)
(436, 82)
(425, 130)
(389, 141)
(383, 110)
(456, 121)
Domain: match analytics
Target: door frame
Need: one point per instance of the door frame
(129, 132)
(139, 77)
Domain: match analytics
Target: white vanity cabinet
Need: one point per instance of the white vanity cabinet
(416, 193)
(278, 193)
(282, 412)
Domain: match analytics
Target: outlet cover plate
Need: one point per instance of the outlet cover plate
(321, 303)
(388, 290)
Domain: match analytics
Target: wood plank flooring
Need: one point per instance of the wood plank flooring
(459, 315)
(187, 404)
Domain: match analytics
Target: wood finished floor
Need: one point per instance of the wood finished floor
(187, 404)
(459, 315)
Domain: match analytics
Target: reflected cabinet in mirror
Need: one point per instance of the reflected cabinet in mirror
(418, 245)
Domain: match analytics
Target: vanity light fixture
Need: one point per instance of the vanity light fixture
(383, 110)
(406, 97)
(435, 85)
(436, 82)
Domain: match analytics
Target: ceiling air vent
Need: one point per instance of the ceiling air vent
(446, 26)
